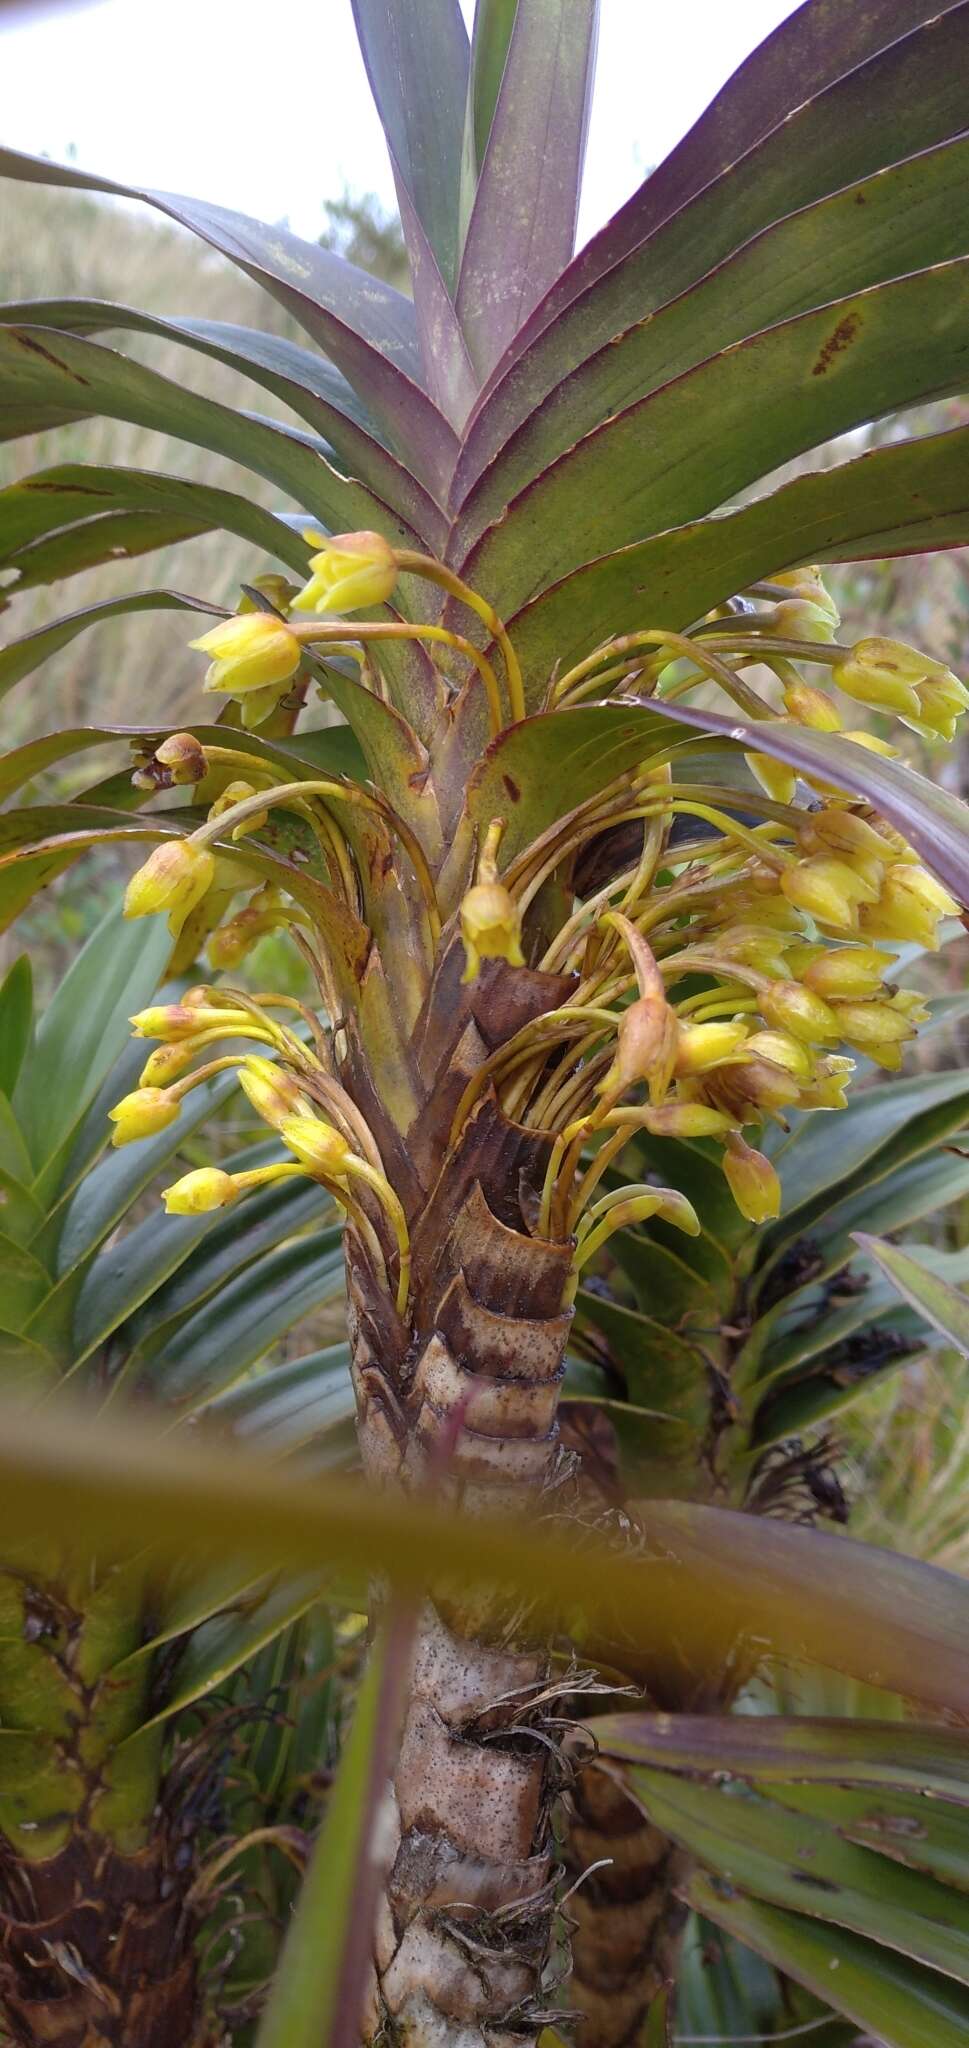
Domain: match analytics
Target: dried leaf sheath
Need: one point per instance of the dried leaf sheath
(467, 1407)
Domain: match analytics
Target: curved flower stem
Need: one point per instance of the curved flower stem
(681, 647)
(362, 1170)
(338, 792)
(435, 572)
(376, 629)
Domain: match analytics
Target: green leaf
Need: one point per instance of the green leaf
(19, 657)
(292, 1404)
(221, 1645)
(521, 232)
(85, 1027)
(217, 1342)
(365, 326)
(771, 1749)
(318, 1990)
(493, 24)
(945, 1308)
(772, 396)
(39, 364)
(895, 500)
(311, 387)
(16, 1020)
(23, 1284)
(886, 1993)
(796, 1861)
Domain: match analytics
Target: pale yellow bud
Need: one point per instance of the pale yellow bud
(255, 651)
(274, 1095)
(196, 1193)
(490, 928)
(687, 1120)
(828, 890)
(850, 972)
(141, 1114)
(316, 1145)
(811, 707)
(784, 1050)
(752, 1181)
(799, 1011)
(173, 880)
(703, 1046)
(352, 571)
(775, 777)
(866, 1024)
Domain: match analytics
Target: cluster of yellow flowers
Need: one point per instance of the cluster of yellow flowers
(716, 984)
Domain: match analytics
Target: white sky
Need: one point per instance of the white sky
(265, 107)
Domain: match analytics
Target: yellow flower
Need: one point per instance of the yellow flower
(811, 707)
(141, 1114)
(490, 928)
(316, 1145)
(172, 1022)
(252, 652)
(801, 618)
(196, 1193)
(798, 1010)
(848, 972)
(894, 677)
(785, 1050)
(273, 1093)
(686, 1120)
(775, 777)
(867, 1024)
(752, 1181)
(808, 586)
(910, 907)
(829, 890)
(236, 793)
(352, 571)
(703, 1046)
(173, 879)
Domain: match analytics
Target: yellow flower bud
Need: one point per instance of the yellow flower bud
(752, 1181)
(352, 571)
(799, 618)
(316, 1145)
(703, 1046)
(865, 1024)
(173, 879)
(808, 585)
(172, 1022)
(827, 1090)
(141, 1114)
(274, 1094)
(811, 707)
(828, 890)
(775, 777)
(849, 972)
(891, 1057)
(647, 1039)
(687, 1120)
(785, 1050)
(253, 652)
(844, 833)
(887, 674)
(167, 1062)
(942, 701)
(910, 907)
(799, 1011)
(490, 928)
(236, 793)
(196, 1193)
(183, 756)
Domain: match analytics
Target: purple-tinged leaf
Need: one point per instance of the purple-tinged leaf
(366, 327)
(943, 1306)
(315, 391)
(904, 499)
(910, 216)
(318, 1992)
(777, 1748)
(57, 368)
(448, 367)
(934, 822)
(493, 24)
(694, 443)
(521, 232)
(827, 98)
(417, 58)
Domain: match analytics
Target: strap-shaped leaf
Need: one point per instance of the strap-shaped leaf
(834, 95)
(16, 1020)
(35, 362)
(796, 1861)
(366, 327)
(905, 499)
(521, 232)
(293, 1405)
(689, 446)
(943, 1306)
(493, 24)
(908, 216)
(766, 1749)
(315, 391)
(19, 657)
(886, 1993)
(932, 821)
(417, 58)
